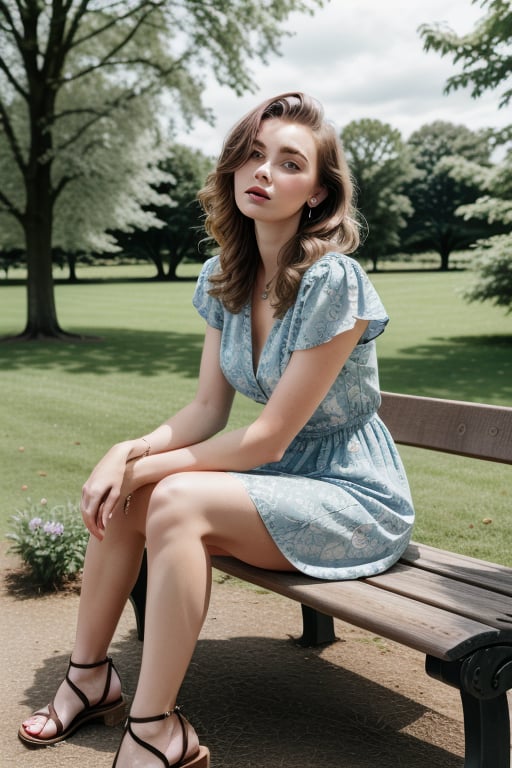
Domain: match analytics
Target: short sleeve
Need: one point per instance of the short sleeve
(334, 293)
(209, 307)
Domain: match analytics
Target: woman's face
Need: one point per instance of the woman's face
(281, 174)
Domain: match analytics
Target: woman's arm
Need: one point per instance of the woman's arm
(306, 381)
(204, 416)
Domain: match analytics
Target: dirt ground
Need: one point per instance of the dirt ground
(256, 698)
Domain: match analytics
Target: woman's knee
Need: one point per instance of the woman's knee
(171, 505)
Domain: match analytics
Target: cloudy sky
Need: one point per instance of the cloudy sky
(362, 58)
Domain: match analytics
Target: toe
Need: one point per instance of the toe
(36, 726)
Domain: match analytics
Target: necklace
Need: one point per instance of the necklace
(265, 292)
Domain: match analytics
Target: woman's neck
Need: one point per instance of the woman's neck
(270, 239)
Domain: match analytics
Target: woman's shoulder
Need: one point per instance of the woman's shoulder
(333, 265)
(210, 266)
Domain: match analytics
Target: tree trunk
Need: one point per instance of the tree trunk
(156, 258)
(41, 310)
(72, 259)
(42, 320)
(444, 252)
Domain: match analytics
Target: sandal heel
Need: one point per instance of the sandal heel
(115, 716)
(201, 760)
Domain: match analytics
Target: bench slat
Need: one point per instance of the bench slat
(420, 626)
(469, 570)
(451, 595)
(451, 426)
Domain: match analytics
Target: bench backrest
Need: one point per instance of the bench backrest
(452, 426)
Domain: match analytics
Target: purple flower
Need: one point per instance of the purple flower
(53, 528)
(35, 523)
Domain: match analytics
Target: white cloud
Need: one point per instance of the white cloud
(362, 59)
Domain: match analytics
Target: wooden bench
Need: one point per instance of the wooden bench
(455, 609)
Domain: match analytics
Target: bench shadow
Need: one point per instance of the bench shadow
(266, 703)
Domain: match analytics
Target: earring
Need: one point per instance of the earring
(313, 201)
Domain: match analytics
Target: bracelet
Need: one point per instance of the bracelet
(147, 450)
(127, 504)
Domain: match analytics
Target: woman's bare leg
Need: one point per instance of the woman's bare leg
(187, 513)
(110, 570)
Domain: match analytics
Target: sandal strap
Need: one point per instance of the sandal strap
(184, 735)
(81, 695)
(51, 715)
(56, 719)
(90, 666)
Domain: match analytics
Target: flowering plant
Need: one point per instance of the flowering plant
(51, 543)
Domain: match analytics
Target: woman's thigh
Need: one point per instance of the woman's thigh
(217, 507)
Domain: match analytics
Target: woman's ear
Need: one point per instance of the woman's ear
(318, 197)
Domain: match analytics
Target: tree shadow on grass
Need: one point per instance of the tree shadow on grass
(258, 701)
(474, 368)
(146, 353)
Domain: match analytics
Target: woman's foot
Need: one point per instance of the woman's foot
(89, 691)
(169, 737)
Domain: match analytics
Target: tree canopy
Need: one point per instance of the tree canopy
(485, 53)
(437, 191)
(486, 58)
(380, 165)
(70, 71)
(185, 171)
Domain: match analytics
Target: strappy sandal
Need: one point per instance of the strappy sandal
(111, 714)
(200, 759)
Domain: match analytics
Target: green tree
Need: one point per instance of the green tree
(493, 272)
(492, 259)
(380, 164)
(111, 176)
(484, 55)
(138, 47)
(436, 192)
(182, 231)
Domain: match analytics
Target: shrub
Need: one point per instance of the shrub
(51, 543)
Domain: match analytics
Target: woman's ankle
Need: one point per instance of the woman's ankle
(98, 681)
(173, 735)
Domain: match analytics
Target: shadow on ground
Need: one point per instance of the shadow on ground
(145, 353)
(263, 703)
(461, 367)
(465, 365)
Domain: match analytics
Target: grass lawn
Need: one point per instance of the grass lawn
(64, 404)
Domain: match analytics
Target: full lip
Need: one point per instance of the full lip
(257, 192)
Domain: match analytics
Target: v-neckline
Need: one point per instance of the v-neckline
(255, 364)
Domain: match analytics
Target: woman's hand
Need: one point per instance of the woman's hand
(107, 485)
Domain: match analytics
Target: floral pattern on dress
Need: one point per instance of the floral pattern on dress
(338, 503)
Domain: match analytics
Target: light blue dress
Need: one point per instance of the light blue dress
(338, 503)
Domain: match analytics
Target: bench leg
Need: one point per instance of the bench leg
(486, 725)
(138, 596)
(317, 628)
(483, 680)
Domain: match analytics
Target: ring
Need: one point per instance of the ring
(126, 504)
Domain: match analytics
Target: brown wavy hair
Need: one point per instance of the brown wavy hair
(332, 225)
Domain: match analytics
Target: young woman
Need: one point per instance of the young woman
(313, 484)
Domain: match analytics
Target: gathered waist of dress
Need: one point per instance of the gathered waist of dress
(316, 431)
